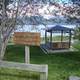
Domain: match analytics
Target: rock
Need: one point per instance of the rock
(74, 78)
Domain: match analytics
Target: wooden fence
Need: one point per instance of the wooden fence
(42, 69)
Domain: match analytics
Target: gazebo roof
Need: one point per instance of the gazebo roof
(59, 28)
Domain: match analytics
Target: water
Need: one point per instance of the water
(40, 29)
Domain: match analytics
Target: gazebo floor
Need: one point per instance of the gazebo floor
(46, 50)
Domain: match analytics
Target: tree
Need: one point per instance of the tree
(7, 24)
(77, 29)
(12, 13)
(77, 33)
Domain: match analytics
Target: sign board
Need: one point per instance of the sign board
(27, 38)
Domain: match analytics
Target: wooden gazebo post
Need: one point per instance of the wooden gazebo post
(51, 39)
(69, 38)
(51, 36)
(61, 39)
(45, 36)
(61, 35)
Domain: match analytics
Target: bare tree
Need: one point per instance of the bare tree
(7, 23)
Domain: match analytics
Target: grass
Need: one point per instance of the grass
(14, 74)
(61, 66)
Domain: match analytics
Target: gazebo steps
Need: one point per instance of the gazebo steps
(43, 49)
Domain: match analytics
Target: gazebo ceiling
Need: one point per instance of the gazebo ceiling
(59, 28)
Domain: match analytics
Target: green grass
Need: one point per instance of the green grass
(61, 66)
(14, 74)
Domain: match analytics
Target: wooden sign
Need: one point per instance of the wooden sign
(27, 38)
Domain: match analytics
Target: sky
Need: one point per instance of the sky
(63, 1)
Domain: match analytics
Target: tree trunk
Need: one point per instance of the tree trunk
(3, 45)
(7, 25)
(4, 38)
(3, 48)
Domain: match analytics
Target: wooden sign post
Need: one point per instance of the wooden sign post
(27, 54)
(27, 39)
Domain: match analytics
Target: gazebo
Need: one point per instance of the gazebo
(58, 45)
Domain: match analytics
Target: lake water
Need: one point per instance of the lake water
(40, 28)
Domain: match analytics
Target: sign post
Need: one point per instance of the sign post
(28, 39)
(27, 55)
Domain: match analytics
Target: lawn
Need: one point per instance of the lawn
(14, 74)
(61, 66)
